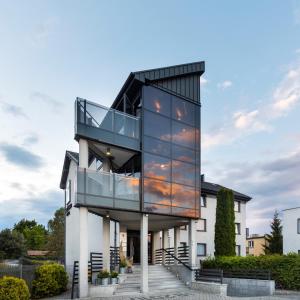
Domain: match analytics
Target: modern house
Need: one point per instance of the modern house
(291, 230)
(255, 244)
(135, 182)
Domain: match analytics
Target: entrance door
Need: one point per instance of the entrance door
(134, 246)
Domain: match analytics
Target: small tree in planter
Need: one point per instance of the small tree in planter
(123, 265)
(104, 276)
(114, 277)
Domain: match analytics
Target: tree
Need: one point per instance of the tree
(24, 224)
(56, 229)
(274, 239)
(11, 243)
(224, 226)
(35, 234)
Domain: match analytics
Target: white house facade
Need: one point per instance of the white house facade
(291, 230)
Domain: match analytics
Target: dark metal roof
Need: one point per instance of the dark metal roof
(182, 80)
(212, 189)
(70, 155)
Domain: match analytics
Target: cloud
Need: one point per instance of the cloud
(225, 84)
(30, 139)
(296, 14)
(19, 156)
(41, 208)
(272, 184)
(46, 99)
(203, 81)
(244, 122)
(12, 109)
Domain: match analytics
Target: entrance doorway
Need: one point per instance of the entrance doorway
(134, 246)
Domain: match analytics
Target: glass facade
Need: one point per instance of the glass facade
(171, 158)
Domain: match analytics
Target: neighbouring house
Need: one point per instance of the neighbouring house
(136, 182)
(291, 230)
(255, 244)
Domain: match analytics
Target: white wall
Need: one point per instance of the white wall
(207, 237)
(291, 238)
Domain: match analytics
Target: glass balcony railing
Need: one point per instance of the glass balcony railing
(99, 122)
(103, 189)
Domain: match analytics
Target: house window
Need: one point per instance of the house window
(238, 250)
(298, 226)
(201, 225)
(203, 201)
(68, 192)
(237, 206)
(201, 249)
(251, 244)
(237, 228)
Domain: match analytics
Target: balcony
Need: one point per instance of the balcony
(106, 125)
(109, 190)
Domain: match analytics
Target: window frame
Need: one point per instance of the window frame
(238, 253)
(237, 226)
(205, 225)
(239, 206)
(298, 225)
(204, 200)
(205, 249)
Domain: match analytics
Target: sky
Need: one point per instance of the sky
(54, 51)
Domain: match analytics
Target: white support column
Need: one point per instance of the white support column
(176, 242)
(165, 244)
(106, 243)
(83, 228)
(144, 253)
(192, 243)
(156, 244)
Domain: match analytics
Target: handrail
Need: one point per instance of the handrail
(179, 260)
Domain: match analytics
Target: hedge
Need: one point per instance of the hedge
(12, 288)
(285, 269)
(50, 280)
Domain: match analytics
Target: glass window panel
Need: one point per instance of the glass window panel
(157, 146)
(157, 101)
(184, 212)
(156, 191)
(98, 116)
(237, 206)
(127, 187)
(157, 167)
(183, 135)
(126, 125)
(183, 111)
(156, 208)
(99, 183)
(201, 225)
(183, 173)
(184, 154)
(197, 138)
(183, 196)
(134, 205)
(203, 201)
(238, 250)
(237, 228)
(157, 126)
(201, 249)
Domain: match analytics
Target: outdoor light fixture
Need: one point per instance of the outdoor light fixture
(108, 153)
(107, 214)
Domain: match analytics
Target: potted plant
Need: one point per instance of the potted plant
(114, 277)
(123, 265)
(104, 276)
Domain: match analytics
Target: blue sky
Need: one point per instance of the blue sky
(54, 51)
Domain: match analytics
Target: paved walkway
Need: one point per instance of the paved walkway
(192, 295)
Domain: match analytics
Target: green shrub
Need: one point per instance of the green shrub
(50, 280)
(123, 263)
(114, 274)
(103, 274)
(12, 288)
(285, 269)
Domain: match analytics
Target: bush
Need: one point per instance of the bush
(114, 274)
(103, 274)
(50, 280)
(12, 288)
(285, 269)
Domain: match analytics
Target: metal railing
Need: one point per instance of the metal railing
(248, 274)
(98, 116)
(209, 275)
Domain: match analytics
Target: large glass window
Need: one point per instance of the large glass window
(183, 196)
(157, 126)
(183, 135)
(183, 173)
(156, 146)
(157, 101)
(157, 167)
(183, 154)
(156, 208)
(183, 111)
(156, 191)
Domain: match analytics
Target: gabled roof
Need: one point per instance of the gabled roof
(182, 80)
(69, 156)
(212, 189)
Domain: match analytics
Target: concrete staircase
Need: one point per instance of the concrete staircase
(160, 281)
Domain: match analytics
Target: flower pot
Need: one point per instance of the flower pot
(104, 281)
(122, 270)
(114, 280)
